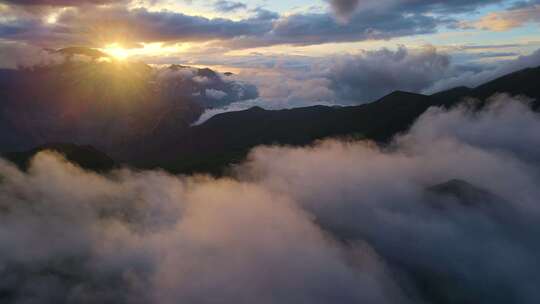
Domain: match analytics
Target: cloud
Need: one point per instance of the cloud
(473, 78)
(60, 2)
(341, 221)
(14, 55)
(205, 86)
(370, 75)
(374, 194)
(344, 8)
(373, 74)
(319, 28)
(285, 82)
(509, 19)
(418, 6)
(280, 89)
(181, 240)
(492, 129)
(229, 6)
(215, 94)
(98, 25)
(346, 79)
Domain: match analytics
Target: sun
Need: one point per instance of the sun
(116, 51)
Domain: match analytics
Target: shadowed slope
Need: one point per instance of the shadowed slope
(84, 156)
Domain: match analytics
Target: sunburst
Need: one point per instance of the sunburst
(116, 51)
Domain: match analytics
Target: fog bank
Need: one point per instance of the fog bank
(338, 222)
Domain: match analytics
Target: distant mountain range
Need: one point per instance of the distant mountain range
(225, 138)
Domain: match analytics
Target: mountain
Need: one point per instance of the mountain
(107, 105)
(227, 137)
(144, 122)
(84, 156)
(205, 86)
(116, 107)
(79, 50)
(523, 82)
(465, 194)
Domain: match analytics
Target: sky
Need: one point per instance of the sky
(449, 42)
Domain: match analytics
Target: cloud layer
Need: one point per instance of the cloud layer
(341, 221)
(352, 79)
(521, 13)
(84, 23)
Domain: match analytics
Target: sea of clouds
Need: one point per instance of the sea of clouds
(341, 221)
(363, 77)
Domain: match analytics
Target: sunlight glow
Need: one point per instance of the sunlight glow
(116, 51)
(51, 19)
(145, 51)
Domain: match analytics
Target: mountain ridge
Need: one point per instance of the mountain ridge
(234, 133)
(227, 137)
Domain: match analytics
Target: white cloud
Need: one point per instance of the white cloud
(215, 94)
(322, 224)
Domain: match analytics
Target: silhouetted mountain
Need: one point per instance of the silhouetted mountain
(84, 156)
(227, 137)
(464, 193)
(523, 82)
(445, 288)
(80, 50)
(118, 108)
(205, 86)
(452, 96)
(113, 107)
(150, 129)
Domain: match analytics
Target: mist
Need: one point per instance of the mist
(447, 213)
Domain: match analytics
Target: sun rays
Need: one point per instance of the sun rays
(116, 51)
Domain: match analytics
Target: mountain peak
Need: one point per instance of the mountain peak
(464, 192)
(85, 156)
(256, 109)
(402, 96)
(81, 50)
